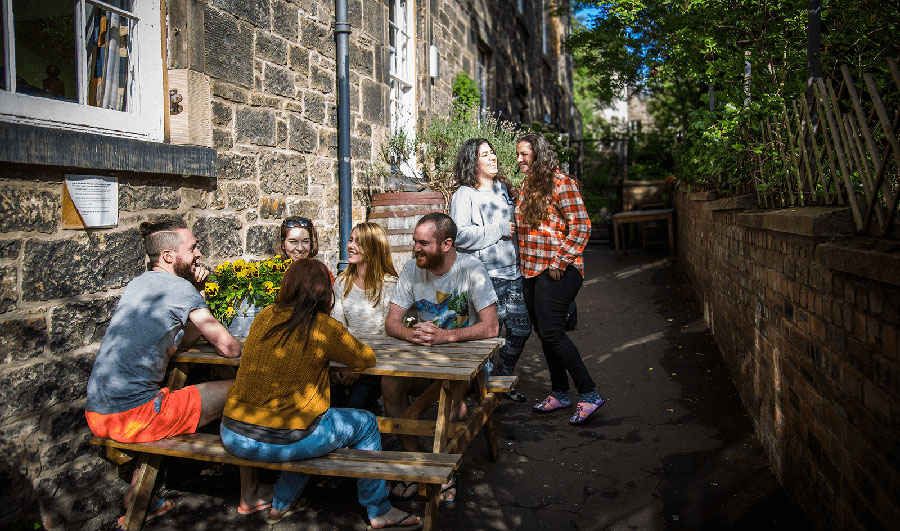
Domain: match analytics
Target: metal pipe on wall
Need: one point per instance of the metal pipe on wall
(345, 190)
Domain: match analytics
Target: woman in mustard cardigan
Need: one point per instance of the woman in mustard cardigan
(278, 408)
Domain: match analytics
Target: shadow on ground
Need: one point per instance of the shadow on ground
(672, 448)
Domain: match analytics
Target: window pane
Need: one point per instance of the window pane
(107, 39)
(2, 49)
(45, 48)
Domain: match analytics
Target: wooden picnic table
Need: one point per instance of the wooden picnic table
(454, 367)
(639, 216)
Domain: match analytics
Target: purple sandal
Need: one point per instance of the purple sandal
(551, 403)
(584, 410)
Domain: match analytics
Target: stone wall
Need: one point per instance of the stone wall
(806, 316)
(271, 66)
(523, 83)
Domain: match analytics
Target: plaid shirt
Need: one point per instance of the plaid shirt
(560, 239)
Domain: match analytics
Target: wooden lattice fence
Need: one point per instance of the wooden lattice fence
(841, 150)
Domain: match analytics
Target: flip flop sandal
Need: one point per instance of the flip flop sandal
(406, 485)
(451, 485)
(261, 507)
(515, 396)
(298, 505)
(398, 525)
(584, 410)
(158, 510)
(551, 403)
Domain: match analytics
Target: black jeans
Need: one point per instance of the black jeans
(548, 302)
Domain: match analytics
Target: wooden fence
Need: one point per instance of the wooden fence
(841, 150)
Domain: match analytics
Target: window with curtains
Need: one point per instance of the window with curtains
(520, 6)
(88, 65)
(481, 75)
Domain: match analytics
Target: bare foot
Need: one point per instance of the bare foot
(448, 492)
(257, 500)
(394, 517)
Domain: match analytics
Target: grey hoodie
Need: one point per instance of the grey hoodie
(483, 217)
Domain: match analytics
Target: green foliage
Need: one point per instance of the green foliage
(439, 142)
(258, 282)
(675, 50)
(465, 91)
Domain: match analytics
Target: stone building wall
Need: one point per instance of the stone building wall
(273, 119)
(807, 320)
(523, 83)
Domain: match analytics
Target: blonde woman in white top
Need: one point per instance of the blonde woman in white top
(362, 295)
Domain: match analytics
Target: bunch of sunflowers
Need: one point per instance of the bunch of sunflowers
(257, 282)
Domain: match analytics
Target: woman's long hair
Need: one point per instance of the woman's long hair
(373, 242)
(539, 185)
(306, 291)
(466, 167)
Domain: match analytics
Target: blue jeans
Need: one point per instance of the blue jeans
(338, 428)
(512, 311)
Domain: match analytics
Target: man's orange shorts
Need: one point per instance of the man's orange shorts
(169, 414)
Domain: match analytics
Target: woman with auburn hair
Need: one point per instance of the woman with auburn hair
(278, 408)
(483, 210)
(362, 295)
(553, 228)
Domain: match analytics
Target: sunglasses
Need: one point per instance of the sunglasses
(290, 223)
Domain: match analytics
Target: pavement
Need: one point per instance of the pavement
(671, 449)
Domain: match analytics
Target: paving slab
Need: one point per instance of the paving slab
(671, 449)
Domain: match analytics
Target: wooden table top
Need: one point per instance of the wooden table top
(394, 357)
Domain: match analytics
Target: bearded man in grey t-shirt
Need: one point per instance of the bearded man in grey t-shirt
(453, 299)
(159, 311)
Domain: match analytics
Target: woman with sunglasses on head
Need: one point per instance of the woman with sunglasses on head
(362, 295)
(278, 408)
(483, 209)
(553, 229)
(299, 239)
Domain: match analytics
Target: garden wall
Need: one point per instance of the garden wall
(806, 316)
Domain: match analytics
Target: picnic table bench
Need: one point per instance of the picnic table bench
(454, 367)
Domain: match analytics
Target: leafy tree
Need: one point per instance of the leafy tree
(678, 49)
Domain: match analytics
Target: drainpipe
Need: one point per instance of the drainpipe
(345, 197)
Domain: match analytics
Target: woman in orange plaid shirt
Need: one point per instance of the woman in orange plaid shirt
(553, 228)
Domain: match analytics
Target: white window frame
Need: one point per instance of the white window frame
(145, 99)
(520, 6)
(402, 66)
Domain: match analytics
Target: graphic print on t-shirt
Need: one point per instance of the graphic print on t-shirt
(451, 310)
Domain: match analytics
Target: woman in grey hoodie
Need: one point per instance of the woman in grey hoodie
(484, 212)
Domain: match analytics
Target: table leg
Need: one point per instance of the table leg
(489, 436)
(616, 237)
(443, 418)
(433, 502)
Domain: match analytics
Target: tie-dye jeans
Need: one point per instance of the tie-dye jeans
(512, 312)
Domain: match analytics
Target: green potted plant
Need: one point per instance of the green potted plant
(236, 291)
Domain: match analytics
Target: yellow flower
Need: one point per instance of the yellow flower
(212, 289)
(229, 312)
(269, 286)
(222, 267)
(242, 273)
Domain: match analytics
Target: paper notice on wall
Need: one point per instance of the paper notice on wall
(96, 199)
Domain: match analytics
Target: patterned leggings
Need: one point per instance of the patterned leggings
(511, 310)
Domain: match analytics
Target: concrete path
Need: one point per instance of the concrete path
(671, 449)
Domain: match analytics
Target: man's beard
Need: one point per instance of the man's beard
(431, 260)
(183, 270)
